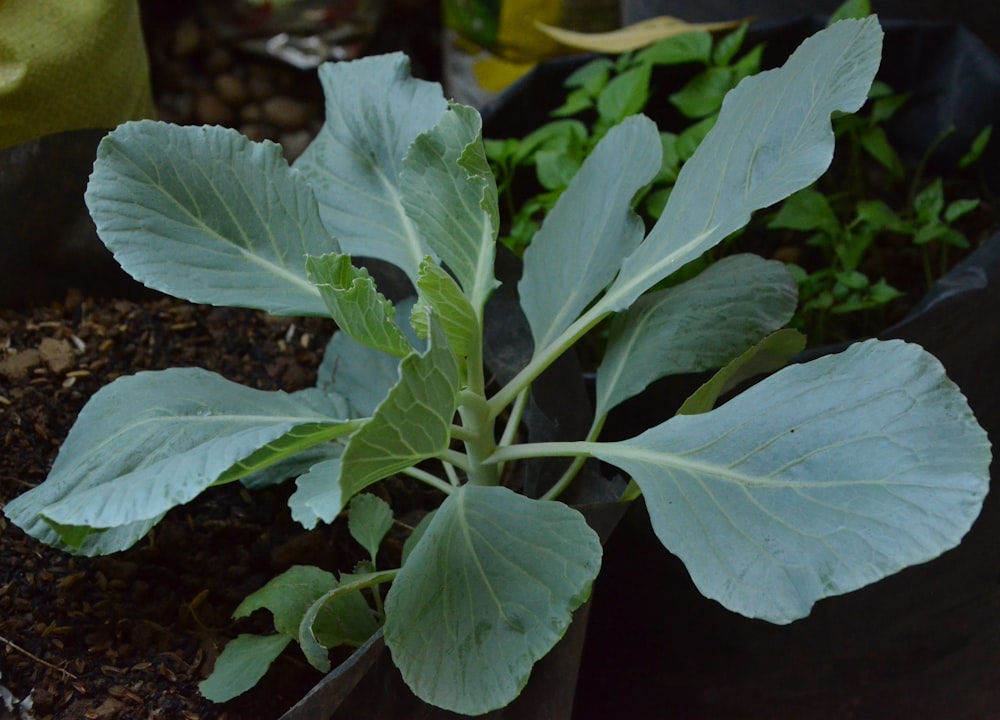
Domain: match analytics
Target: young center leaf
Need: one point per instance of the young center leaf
(451, 196)
(155, 440)
(773, 136)
(488, 590)
(820, 479)
(204, 214)
(355, 303)
(411, 424)
(374, 112)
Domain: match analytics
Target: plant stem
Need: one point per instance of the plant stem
(527, 451)
(430, 479)
(571, 472)
(542, 359)
(477, 421)
(449, 470)
(514, 421)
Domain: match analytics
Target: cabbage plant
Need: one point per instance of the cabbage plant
(819, 479)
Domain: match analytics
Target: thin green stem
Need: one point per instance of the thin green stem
(918, 175)
(456, 458)
(574, 469)
(449, 470)
(583, 324)
(459, 432)
(429, 478)
(377, 597)
(514, 421)
(528, 451)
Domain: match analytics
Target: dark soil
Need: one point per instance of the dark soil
(130, 636)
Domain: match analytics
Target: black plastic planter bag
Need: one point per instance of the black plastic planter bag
(922, 643)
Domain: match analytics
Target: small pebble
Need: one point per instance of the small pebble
(286, 113)
(187, 38)
(259, 84)
(210, 110)
(231, 89)
(251, 113)
(219, 60)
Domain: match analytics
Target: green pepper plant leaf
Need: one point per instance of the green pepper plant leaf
(821, 478)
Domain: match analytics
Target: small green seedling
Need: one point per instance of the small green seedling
(821, 478)
(843, 218)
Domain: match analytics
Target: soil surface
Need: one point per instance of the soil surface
(129, 636)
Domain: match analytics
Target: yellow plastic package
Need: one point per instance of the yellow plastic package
(489, 44)
(69, 65)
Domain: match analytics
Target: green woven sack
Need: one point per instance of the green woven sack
(69, 66)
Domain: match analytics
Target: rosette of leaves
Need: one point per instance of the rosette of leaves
(821, 478)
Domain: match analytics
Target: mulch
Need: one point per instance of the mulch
(130, 635)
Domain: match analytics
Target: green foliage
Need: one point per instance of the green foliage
(834, 222)
(822, 478)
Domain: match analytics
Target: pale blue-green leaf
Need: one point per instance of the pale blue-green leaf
(369, 518)
(770, 354)
(152, 441)
(318, 495)
(579, 247)
(773, 137)
(440, 294)
(418, 532)
(207, 215)
(242, 663)
(357, 372)
(359, 309)
(374, 111)
(451, 196)
(818, 480)
(488, 590)
(341, 617)
(698, 325)
(412, 424)
(288, 596)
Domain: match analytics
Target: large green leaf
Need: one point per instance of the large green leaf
(579, 248)
(488, 590)
(451, 196)
(374, 111)
(821, 479)
(155, 440)
(773, 137)
(355, 303)
(698, 325)
(204, 214)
